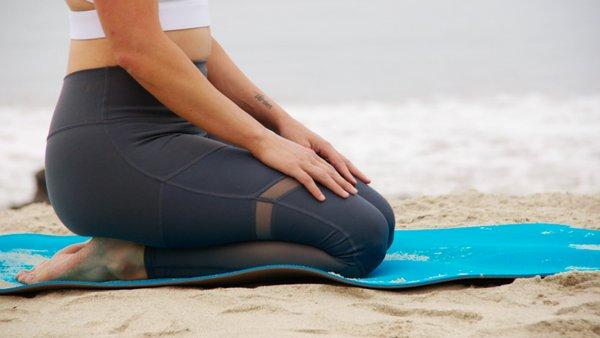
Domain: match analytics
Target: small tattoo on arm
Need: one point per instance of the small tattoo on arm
(261, 98)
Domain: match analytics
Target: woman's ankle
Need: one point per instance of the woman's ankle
(124, 260)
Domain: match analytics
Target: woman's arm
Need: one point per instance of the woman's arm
(141, 47)
(231, 81)
(159, 65)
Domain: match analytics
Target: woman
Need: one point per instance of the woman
(177, 165)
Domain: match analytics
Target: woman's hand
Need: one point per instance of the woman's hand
(297, 132)
(301, 163)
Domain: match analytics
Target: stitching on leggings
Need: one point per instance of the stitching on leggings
(101, 107)
(160, 213)
(263, 211)
(202, 192)
(104, 101)
(289, 191)
(267, 186)
(99, 122)
(153, 260)
(178, 119)
(192, 162)
(310, 214)
(150, 108)
(149, 261)
(69, 126)
(159, 179)
(248, 197)
(253, 218)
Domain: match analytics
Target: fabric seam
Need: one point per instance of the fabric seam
(160, 214)
(70, 126)
(289, 192)
(269, 185)
(192, 162)
(104, 101)
(149, 261)
(107, 121)
(362, 268)
(254, 219)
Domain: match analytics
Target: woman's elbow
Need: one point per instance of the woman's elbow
(127, 58)
(131, 52)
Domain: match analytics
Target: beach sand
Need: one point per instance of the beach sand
(561, 305)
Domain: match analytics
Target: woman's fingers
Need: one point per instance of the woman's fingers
(344, 183)
(320, 170)
(307, 181)
(337, 161)
(334, 173)
(356, 172)
(325, 177)
(342, 168)
(307, 166)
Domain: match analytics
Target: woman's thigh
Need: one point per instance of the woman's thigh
(366, 192)
(141, 182)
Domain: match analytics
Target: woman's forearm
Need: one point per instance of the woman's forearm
(166, 72)
(163, 69)
(232, 82)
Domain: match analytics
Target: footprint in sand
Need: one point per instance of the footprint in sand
(88, 298)
(14, 310)
(311, 331)
(8, 320)
(345, 291)
(398, 312)
(592, 308)
(565, 327)
(125, 324)
(169, 332)
(258, 308)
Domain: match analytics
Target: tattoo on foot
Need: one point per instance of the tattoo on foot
(261, 98)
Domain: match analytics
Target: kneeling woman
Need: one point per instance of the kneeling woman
(177, 165)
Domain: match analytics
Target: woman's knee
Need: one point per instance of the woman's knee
(371, 195)
(350, 229)
(359, 246)
(368, 241)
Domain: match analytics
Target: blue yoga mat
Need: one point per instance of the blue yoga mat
(417, 257)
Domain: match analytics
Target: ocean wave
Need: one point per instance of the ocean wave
(504, 144)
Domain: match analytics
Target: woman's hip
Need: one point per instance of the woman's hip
(109, 145)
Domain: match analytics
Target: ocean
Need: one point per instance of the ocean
(426, 97)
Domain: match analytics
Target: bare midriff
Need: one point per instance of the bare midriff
(95, 53)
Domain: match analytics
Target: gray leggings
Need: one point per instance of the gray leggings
(119, 164)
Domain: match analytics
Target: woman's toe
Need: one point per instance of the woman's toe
(19, 275)
(24, 277)
(47, 270)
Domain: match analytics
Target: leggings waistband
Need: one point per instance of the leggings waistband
(105, 94)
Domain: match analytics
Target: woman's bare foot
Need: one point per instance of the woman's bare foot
(99, 259)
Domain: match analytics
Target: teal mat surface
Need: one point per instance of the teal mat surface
(417, 257)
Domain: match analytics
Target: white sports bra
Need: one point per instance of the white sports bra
(173, 15)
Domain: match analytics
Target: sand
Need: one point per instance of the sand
(561, 305)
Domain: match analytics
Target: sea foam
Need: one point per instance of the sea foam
(504, 144)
